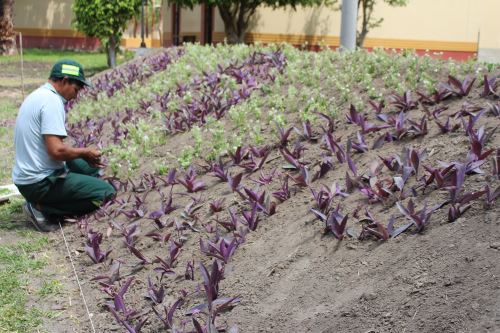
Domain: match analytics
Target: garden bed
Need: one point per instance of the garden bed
(265, 189)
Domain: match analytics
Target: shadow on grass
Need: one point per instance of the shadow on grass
(12, 217)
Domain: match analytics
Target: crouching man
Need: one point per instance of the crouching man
(55, 179)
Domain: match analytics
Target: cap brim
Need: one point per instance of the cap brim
(86, 83)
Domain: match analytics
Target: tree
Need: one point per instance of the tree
(237, 14)
(7, 36)
(369, 22)
(106, 20)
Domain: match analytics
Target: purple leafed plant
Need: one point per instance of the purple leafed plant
(489, 86)
(376, 229)
(496, 165)
(461, 205)
(354, 117)
(377, 106)
(322, 199)
(222, 250)
(329, 120)
(189, 273)
(235, 181)
(233, 224)
(307, 132)
(156, 236)
(166, 208)
(325, 165)
(190, 182)
(418, 128)
(138, 209)
(219, 305)
(166, 265)
(360, 146)
(168, 318)
(268, 207)
(217, 205)
(447, 127)
(283, 193)
(112, 276)
(130, 234)
(265, 179)
(219, 171)
(254, 196)
(240, 154)
(251, 217)
(460, 202)
(335, 147)
(440, 94)
(284, 135)
(400, 129)
(255, 163)
(93, 250)
(379, 191)
(494, 109)
(294, 162)
(302, 179)
(461, 88)
(478, 141)
(419, 218)
(155, 293)
(334, 221)
(490, 196)
(211, 282)
(403, 102)
(138, 254)
(124, 315)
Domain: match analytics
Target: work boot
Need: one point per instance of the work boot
(38, 219)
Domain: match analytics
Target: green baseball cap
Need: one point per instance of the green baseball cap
(70, 69)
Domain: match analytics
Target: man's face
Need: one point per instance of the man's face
(70, 88)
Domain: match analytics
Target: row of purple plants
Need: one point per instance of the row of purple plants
(409, 177)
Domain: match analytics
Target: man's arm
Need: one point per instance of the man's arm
(62, 152)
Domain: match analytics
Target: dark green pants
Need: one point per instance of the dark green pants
(76, 192)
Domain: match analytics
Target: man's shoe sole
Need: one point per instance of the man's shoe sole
(41, 227)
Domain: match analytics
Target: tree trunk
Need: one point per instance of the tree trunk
(7, 36)
(112, 45)
(366, 25)
(235, 22)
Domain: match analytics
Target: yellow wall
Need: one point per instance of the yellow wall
(48, 14)
(433, 24)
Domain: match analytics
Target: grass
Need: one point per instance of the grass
(92, 62)
(49, 287)
(17, 264)
(8, 111)
(10, 214)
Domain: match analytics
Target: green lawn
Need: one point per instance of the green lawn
(8, 111)
(20, 261)
(92, 62)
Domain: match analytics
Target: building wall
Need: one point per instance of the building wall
(48, 24)
(459, 28)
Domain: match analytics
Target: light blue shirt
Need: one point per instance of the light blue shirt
(42, 112)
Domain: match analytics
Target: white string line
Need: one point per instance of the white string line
(77, 279)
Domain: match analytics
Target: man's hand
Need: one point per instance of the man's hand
(93, 157)
(61, 152)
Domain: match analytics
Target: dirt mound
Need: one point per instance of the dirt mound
(291, 274)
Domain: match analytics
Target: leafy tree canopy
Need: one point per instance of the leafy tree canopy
(106, 20)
